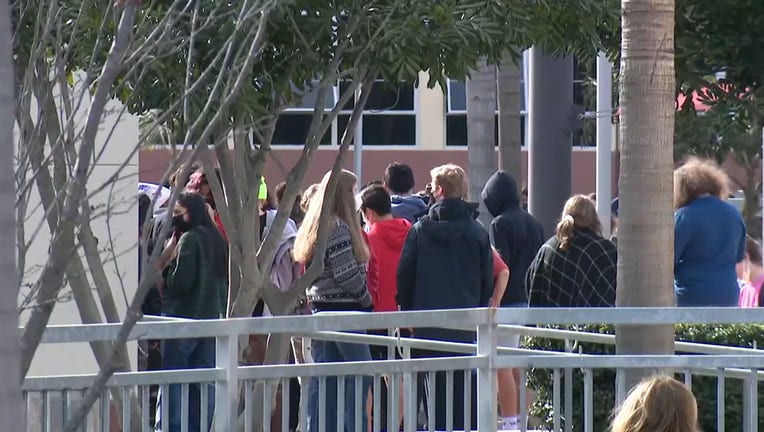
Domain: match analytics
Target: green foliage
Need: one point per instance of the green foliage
(703, 387)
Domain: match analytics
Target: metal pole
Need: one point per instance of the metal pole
(550, 111)
(604, 141)
(358, 145)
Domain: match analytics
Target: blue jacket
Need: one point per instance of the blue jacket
(409, 207)
(709, 239)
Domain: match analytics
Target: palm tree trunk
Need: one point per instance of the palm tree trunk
(646, 233)
(10, 350)
(481, 124)
(508, 87)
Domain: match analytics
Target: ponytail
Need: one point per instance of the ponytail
(565, 230)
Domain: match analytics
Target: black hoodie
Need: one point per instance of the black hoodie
(515, 234)
(446, 263)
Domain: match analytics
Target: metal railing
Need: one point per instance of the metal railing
(52, 398)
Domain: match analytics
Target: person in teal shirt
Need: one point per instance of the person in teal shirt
(709, 237)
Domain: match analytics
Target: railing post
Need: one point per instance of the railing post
(227, 388)
(486, 347)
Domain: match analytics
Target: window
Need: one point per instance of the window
(585, 94)
(389, 117)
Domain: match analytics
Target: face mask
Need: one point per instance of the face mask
(180, 224)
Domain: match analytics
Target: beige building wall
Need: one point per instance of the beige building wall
(115, 222)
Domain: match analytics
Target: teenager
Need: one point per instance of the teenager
(341, 287)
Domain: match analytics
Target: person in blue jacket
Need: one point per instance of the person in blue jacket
(709, 237)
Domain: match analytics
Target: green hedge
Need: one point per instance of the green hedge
(604, 380)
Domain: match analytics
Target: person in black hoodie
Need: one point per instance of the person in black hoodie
(517, 236)
(446, 263)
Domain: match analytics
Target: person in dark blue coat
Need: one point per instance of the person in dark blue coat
(709, 237)
(446, 263)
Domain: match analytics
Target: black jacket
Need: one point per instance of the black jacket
(515, 234)
(446, 263)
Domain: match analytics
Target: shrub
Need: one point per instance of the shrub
(704, 387)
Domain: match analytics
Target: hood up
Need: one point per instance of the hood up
(500, 193)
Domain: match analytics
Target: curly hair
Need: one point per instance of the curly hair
(697, 178)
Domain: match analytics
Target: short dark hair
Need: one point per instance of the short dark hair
(753, 249)
(376, 198)
(279, 191)
(399, 178)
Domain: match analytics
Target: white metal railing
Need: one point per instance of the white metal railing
(53, 397)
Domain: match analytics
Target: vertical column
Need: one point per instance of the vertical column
(550, 111)
(358, 145)
(486, 385)
(604, 141)
(227, 389)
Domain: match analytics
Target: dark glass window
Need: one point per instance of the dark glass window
(292, 129)
(380, 129)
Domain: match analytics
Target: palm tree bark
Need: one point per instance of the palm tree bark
(10, 350)
(646, 233)
(510, 144)
(481, 124)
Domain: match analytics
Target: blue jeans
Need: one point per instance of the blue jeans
(187, 354)
(325, 352)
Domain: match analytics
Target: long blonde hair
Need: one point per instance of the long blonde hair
(343, 209)
(579, 213)
(696, 178)
(658, 404)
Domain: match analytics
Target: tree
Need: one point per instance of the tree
(10, 386)
(481, 123)
(647, 91)
(508, 85)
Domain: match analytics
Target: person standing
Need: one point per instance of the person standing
(709, 237)
(446, 263)
(341, 287)
(195, 263)
(577, 266)
(517, 236)
(399, 181)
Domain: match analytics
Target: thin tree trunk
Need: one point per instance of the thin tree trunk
(508, 88)
(481, 124)
(10, 387)
(646, 233)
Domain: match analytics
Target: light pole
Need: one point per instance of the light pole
(604, 141)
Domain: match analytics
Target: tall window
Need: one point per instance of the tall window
(456, 114)
(585, 94)
(389, 117)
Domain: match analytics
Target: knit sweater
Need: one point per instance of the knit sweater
(342, 286)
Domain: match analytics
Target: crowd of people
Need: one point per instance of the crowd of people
(391, 249)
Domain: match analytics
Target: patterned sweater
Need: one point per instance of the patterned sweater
(583, 275)
(342, 286)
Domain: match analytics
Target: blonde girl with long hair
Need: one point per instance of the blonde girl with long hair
(658, 404)
(341, 287)
(577, 266)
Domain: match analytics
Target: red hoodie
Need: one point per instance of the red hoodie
(386, 239)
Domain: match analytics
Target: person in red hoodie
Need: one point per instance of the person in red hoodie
(386, 236)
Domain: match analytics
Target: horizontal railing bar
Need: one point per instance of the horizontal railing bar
(609, 339)
(624, 316)
(361, 368)
(123, 379)
(460, 318)
(429, 344)
(454, 318)
(632, 361)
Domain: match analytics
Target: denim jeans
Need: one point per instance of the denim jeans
(325, 352)
(187, 354)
